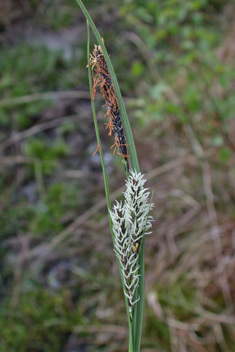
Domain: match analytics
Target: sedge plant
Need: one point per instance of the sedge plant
(129, 220)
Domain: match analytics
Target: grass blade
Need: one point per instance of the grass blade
(96, 126)
(135, 326)
(105, 177)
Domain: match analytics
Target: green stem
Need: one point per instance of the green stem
(105, 177)
(136, 325)
(96, 126)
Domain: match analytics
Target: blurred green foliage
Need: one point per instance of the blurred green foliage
(48, 316)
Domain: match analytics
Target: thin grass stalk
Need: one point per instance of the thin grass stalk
(139, 318)
(105, 177)
(136, 324)
(96, 126)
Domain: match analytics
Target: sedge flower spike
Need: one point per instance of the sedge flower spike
(130, 223)
(103, 78)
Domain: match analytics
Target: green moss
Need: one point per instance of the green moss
(41, 321)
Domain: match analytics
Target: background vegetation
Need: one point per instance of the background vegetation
(60, 287)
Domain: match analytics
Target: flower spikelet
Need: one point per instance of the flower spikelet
(130, 223)
(103, 79)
